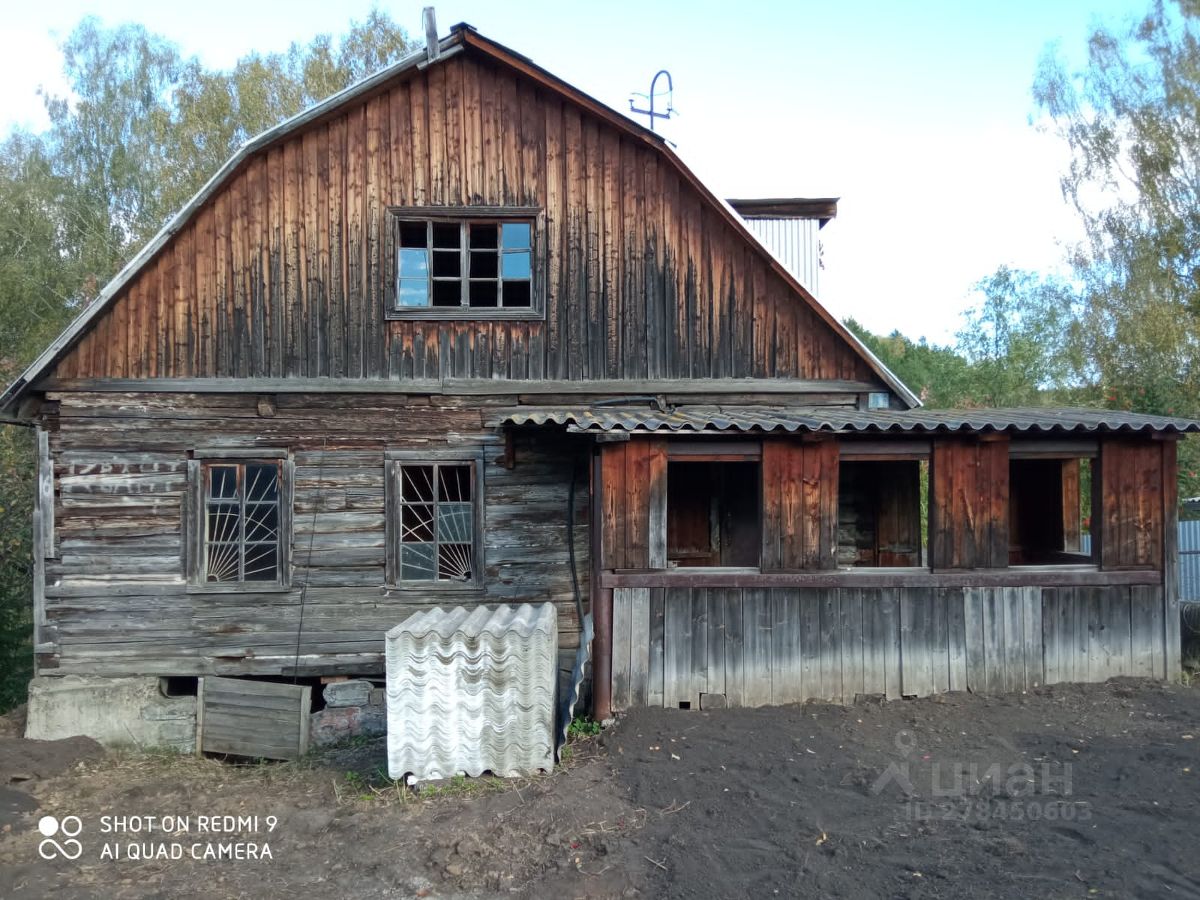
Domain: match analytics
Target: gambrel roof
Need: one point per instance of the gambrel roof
(462, 39)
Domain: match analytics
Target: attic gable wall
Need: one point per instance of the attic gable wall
(286, 272)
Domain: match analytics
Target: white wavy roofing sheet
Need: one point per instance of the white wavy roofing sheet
(471, 691)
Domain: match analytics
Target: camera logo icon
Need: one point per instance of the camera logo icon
(51, 828)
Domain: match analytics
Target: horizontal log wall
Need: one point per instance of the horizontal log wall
(286, 271)
(116, 597)
(760, 646)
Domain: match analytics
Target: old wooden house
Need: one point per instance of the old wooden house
(461, 334)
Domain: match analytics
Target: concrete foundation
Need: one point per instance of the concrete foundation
(116, 712)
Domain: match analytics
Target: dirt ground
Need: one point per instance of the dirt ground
(1062, 792)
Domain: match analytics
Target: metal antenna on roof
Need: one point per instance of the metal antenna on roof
(650, 97)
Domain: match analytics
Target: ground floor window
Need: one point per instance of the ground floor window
(434, 521)
(241, 520)
(1049, 511)
(713, 513)
(880, 513)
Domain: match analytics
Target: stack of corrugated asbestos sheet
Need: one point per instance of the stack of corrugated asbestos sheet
(472, 690)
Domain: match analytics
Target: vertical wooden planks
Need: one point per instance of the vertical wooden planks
(698, 608)
(916, 623)
(613, 510)
(654, 691)
(735, 689)
(633, 490)
(715, 600)
(678, 684)
(1031, 638)
(372, 362)
(786, 682)
(799, 504)
(1146, 658)
(622, 657)
(639, 647)
(1134, 506)
(829, 603)
(850, 610)
(956, 638)
(968, 506)
(756, 647)
(875, 639)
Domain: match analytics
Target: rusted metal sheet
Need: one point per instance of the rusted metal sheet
(698, 418)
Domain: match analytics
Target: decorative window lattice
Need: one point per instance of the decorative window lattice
(241, 522)
(436, 522)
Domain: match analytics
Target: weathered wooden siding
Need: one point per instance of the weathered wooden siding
(287, 270)
(116, 596)
(968, 503)
(767, 646)
(1131, 490)
(634, 504)
(799, 522)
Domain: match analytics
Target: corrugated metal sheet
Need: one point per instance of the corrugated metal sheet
(795, 243)
(1189, 560)
(698, 418)
(471, 691)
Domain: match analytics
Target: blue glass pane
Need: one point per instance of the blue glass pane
(515, 236)
(516, 265)
(414, 293)
(414, 263)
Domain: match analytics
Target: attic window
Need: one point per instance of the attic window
(464, 266)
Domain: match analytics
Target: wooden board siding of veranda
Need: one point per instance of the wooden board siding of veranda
(117, 601)
(968, 508)
(287, 270)
(768, 646)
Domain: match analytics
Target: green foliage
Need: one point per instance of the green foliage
(938, 375)
(1131, 121)
(140, 131)
(1016, 347)
(16, 552)
(583, 727)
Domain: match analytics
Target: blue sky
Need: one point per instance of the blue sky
(916, 115)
